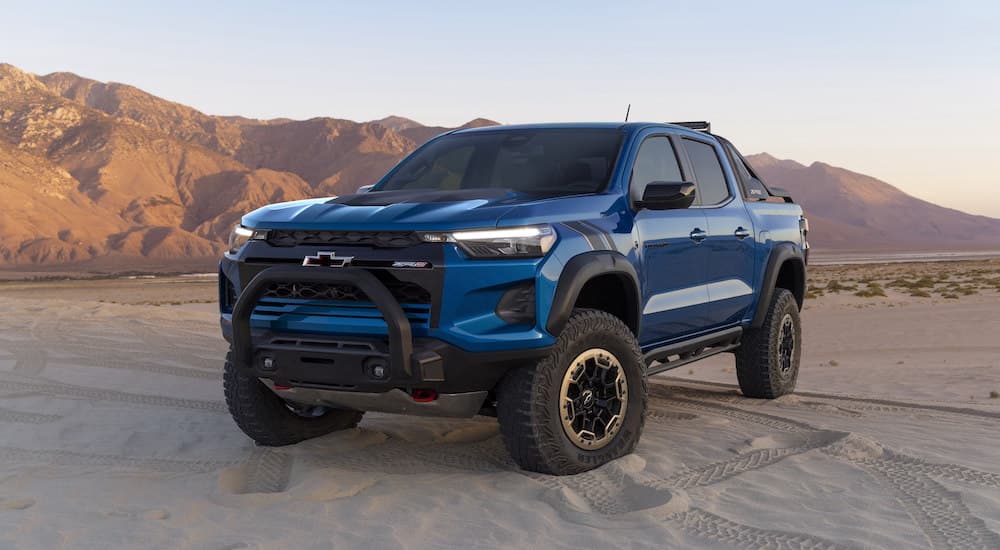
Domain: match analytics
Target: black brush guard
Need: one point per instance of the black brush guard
(400, 336)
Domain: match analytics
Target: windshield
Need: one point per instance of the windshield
(543, 162)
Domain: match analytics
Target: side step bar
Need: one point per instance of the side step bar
(675, 355)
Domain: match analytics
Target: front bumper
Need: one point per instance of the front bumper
(364, 373)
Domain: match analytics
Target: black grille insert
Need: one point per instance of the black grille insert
(405, 292)
(377, 239)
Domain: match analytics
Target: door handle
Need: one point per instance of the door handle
(741, 233)
(697, 235)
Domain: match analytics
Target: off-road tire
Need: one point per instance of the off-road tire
(528, 399)
(267, 419)
(759, 359)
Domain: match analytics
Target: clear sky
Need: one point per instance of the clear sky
(908, 92)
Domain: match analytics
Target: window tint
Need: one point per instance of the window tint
(549, 162)
(753, 188)
(655, 161)
(711, 181)
(445, 172)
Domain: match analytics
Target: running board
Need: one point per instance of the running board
(682, 353)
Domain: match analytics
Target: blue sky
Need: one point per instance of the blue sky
(905, 91)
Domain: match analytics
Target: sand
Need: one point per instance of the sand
(114, 434)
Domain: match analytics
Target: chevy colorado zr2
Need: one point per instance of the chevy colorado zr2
(537, 273)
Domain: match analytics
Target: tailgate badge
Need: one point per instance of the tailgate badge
(327, 259)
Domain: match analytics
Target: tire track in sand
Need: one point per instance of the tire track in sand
(266, 471)
(10, 415)
(59, 457)
(940, 513)
(719, 529)
(97, 394)
(110, 362)
(857, 403)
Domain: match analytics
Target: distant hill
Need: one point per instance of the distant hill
(851, 211)
(109, 175)
(105, 174)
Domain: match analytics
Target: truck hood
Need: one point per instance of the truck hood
(422, 210)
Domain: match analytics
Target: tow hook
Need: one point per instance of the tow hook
(424, 395)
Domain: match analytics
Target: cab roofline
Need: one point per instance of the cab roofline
(622, 126)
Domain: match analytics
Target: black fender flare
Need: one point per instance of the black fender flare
(780, 255)
(581, 269)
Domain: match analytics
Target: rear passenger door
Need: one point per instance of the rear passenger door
(672, 262)
(729, 248)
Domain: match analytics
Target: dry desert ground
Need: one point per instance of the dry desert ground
(114, 434)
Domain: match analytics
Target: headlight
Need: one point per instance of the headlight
(531, 241)
(241, 235)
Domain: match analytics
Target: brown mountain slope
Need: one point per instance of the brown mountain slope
(128, 102)
(39, 219)
(127, 189)
(851, 211)
(108, 173)
(335, 156)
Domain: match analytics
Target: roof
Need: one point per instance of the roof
(624, 126)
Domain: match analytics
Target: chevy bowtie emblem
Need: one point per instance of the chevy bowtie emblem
(327, 259)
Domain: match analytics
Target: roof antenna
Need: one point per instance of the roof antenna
(627, 109)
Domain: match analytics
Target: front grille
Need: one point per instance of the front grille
(377, 239)
(405, 292)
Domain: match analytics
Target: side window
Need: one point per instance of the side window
(655, 161)
(754, 187)
(708, 174)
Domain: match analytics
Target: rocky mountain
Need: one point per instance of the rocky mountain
(95, 173)
(851, 211)
(92, 170)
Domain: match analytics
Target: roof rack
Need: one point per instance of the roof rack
(701, 125)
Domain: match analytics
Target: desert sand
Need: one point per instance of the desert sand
(114, 434)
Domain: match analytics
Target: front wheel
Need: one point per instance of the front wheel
(767, 362)
(583, 405)
(270, 420)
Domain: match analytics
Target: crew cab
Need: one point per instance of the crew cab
(536, 273)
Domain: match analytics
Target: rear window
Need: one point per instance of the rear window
(542, 161)
(709, 177)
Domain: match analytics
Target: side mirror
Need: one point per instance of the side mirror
(667, 195)
(365, 188)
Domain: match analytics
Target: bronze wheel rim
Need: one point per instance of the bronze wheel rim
(786, 344)
(593, 399)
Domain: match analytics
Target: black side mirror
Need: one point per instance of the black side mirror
(667, 195)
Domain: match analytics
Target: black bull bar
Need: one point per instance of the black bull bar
(400, 335)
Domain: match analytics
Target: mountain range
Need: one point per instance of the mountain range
(105, 174)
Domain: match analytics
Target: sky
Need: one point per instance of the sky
(908, 92)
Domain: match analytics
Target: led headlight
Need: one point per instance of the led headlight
(241, 235)
(530, 241)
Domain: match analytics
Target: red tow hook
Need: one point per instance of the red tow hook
(424, 395)
(279, 387)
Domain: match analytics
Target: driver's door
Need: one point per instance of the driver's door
(672, 259)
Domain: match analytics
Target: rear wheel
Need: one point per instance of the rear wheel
(583, 405)
(270, 420)
(767, 362)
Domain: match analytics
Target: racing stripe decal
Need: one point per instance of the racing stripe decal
(597, 237)
(603, 234)
(593, 240)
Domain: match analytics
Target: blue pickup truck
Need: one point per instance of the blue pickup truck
(536, 273)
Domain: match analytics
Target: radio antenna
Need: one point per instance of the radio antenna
(627, 109)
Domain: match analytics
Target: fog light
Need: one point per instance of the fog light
(517, 305)
(268, 363)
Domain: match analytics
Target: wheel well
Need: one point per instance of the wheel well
(614, 294)
(792, 277)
